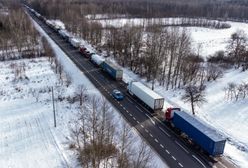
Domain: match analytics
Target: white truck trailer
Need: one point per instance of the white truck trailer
(74, 42)
(97, 59)
(146, 95)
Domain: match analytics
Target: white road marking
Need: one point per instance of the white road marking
(138, 122)
(199, 161)
(150, 119)
(134, 118)
(139, 109)
(151, 135)
(164, 131)
(153, 122)
(161, 146)
(167, 151)
(130, 114)
(142, 126)
(156, 140)
(180, 165)
(182, 147)
(173, 158)
(222, 164)
(146, 130)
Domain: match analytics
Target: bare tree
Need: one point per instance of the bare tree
(143, 156)
(82, 94)
(195, 95)
(231, 90)
(237, 91)
(213, 71)
(125, 144)
(237, 47)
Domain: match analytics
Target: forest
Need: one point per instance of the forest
(215, 9)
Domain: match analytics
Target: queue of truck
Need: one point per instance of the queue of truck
(209, 139)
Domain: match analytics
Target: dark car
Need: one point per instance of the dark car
(117, 94)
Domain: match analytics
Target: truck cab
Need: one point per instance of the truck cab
(170, 113)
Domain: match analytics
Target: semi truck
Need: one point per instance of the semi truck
(97, 59)
(65, 34)
(74, 42)
(202, 134)
(113, 70)
(153, 100)
(55, 24)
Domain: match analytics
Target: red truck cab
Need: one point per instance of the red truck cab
(170, 113)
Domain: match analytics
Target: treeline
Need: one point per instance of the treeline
(18, 37)
(198, 22)
(236, 91)
(218, 9)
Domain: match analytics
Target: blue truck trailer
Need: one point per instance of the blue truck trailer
(202, 134)
(114, 71)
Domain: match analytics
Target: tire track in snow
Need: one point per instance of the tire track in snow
(53, 140)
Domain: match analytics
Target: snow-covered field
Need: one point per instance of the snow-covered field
(213, 40)
(105, 16)
(27, 134)
(208, 40)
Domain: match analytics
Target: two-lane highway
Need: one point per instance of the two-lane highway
(167, 145)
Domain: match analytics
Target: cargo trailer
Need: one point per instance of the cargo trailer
(96, 59)
(146, 95)
(113, 70)
(202, 134)
(74, 42)
(65, 34)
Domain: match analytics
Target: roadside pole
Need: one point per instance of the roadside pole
(54, 115)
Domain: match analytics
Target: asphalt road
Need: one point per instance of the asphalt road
(171, 149)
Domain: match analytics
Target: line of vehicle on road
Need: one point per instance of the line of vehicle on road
(151, 100)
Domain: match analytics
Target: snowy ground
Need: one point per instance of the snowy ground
(212, 40)
(209, 40)
(27, 136)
